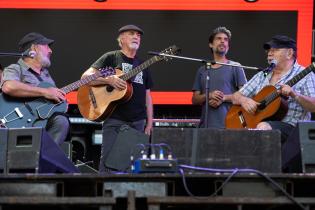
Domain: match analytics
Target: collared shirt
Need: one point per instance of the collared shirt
(23, 73)
(306, 86)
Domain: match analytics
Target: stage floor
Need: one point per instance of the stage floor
(158, 191)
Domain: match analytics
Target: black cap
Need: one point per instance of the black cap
(33, 38)
(280, 41)
(130, 28)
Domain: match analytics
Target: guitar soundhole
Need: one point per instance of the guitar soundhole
(109, 88)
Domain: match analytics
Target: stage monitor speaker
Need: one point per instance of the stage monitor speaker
(226, 149)
(181, 140)
(3, 149)
(255, 149)
(298, 151)
(124, 147)
(307, 140)
(31, 150)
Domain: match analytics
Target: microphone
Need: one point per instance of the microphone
(27, 53)
(272, 64)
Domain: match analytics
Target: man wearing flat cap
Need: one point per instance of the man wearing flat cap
(282, 52)
(137, 112)
(22, 80)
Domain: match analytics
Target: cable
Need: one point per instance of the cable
(234, 172)
(181, 171)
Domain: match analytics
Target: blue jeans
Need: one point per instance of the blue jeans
(58, 127)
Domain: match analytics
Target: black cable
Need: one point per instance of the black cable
(213, 194)
(225, 182)
(243, 171)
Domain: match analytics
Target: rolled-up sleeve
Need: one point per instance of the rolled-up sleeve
(11, 72)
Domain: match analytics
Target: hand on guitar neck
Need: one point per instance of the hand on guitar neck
(112, 80)
(287, 91)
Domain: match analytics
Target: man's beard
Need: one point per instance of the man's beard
(44, 60)
(220, 52)
(134, 46)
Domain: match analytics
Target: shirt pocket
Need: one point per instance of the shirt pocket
(30, 79)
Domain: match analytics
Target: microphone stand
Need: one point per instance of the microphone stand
(3, 54)
(207, 64)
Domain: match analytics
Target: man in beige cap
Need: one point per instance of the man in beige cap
(137, 111)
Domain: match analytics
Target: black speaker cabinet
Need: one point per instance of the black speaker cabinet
(3, 149)
(124, 147)
(226, 149)
(307, 140)
(32, 150)
(298, 150)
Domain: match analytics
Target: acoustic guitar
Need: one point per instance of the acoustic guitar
(29, 112)
(96, 103)
(272, 105)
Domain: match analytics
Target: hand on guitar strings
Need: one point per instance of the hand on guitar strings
(116, 82)
(54, 94)
(249, 105)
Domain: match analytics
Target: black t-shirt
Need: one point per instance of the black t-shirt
(135, 108)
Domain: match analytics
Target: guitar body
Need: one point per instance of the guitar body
(237, 117)
(96, 103)
(30, 112)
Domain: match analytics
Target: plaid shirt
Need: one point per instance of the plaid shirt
(306, 86)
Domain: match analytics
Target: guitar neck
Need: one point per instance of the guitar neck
(301, 75)
(291, 82)
(139, 68)
(75, 85)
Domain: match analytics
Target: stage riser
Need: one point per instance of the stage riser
(213, 148)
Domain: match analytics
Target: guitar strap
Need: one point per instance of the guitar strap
(37, 76)
(34, 73)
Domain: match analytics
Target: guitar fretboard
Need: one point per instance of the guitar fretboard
(300, 75)
(139, 68)
(75, 85)
(291, 82)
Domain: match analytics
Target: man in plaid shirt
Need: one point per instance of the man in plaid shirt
(282, 51)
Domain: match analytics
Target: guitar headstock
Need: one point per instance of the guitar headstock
(107, 71)
(172, 50)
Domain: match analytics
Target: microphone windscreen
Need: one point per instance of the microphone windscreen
(273, 62)
(32, 54)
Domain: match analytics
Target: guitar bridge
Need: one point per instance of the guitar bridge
(2, 123)
(242, 119)
(92, 97)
